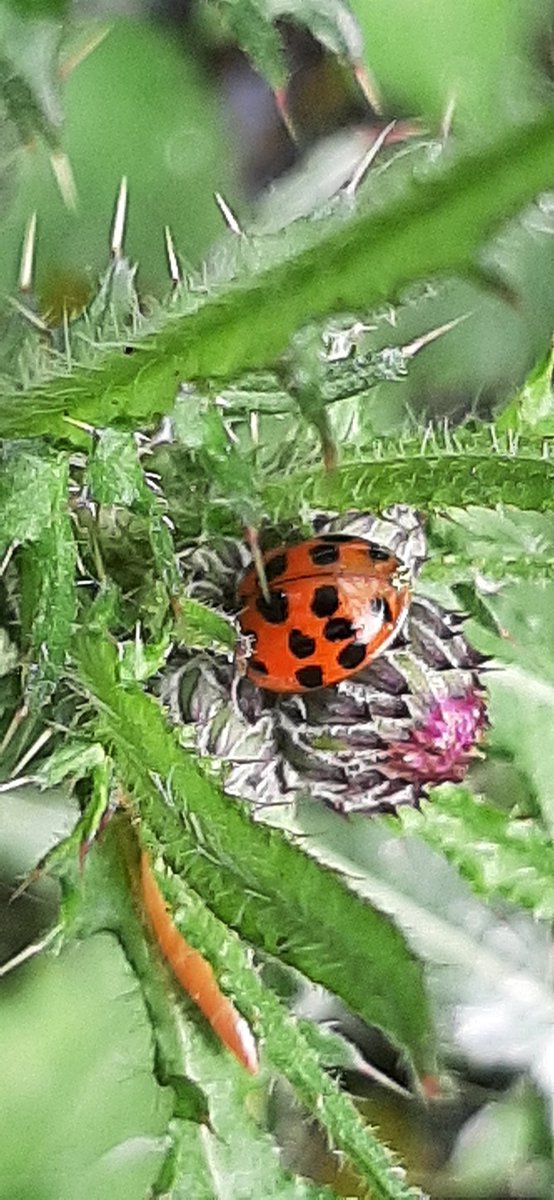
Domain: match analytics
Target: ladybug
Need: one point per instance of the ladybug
(334, 602)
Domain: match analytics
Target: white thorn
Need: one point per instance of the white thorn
(280, 97)
(414, 347)
(352, 187)
(254, 427)
(446, 123)
(426, 438)
(7, 557)
(33, 750)
(69, 63)
(28, 255)
(22, 781)
(230, 432)
(227, 214)
(172, 260)
(29, 315)
(19, 716)
(118, 227)
(80, 425)
(368, 87)
(63, 173)
(29, 951)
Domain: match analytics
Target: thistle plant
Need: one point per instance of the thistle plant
(385, 844)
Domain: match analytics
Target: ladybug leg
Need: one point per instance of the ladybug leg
(257, 557)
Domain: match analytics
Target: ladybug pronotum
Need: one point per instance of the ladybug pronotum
(335, 602)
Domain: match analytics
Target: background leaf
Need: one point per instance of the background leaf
(477, 59)
(55, 1017)
(487, 973)
(498, 855)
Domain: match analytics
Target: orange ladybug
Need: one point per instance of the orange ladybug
(334, 602)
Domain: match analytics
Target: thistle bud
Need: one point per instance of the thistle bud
(371, 743)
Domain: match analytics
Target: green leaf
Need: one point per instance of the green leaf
(435, 225)
(29, 84)
(115, 476)
(508, 556)
(30, 9)
(532, 407)
(48, 606)
(468, 471)
(329, 21)
(498, 855)
(251, 876)
(249, 23)
(199, 626)
(522, 695)
(33, 483)
(114, 473)
(501, 1144)
(479, 544)
(74, 757)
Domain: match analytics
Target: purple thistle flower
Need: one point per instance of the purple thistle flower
(440, 747)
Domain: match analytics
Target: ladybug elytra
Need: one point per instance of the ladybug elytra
(334, 603)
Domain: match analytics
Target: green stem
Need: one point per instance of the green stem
(448, 478)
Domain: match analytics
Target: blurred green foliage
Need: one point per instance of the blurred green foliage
(135, 105)
(112, 1085)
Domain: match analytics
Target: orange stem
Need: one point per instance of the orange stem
(195, 974)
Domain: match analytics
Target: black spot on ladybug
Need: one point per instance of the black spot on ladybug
(275, 610)
(352, 656)
(386, 611)
(256, 664)
(275, 566)
(338, 629)
(378, 553)
(325, 554)
(325, 600)
(300, 644)
(310, 677)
